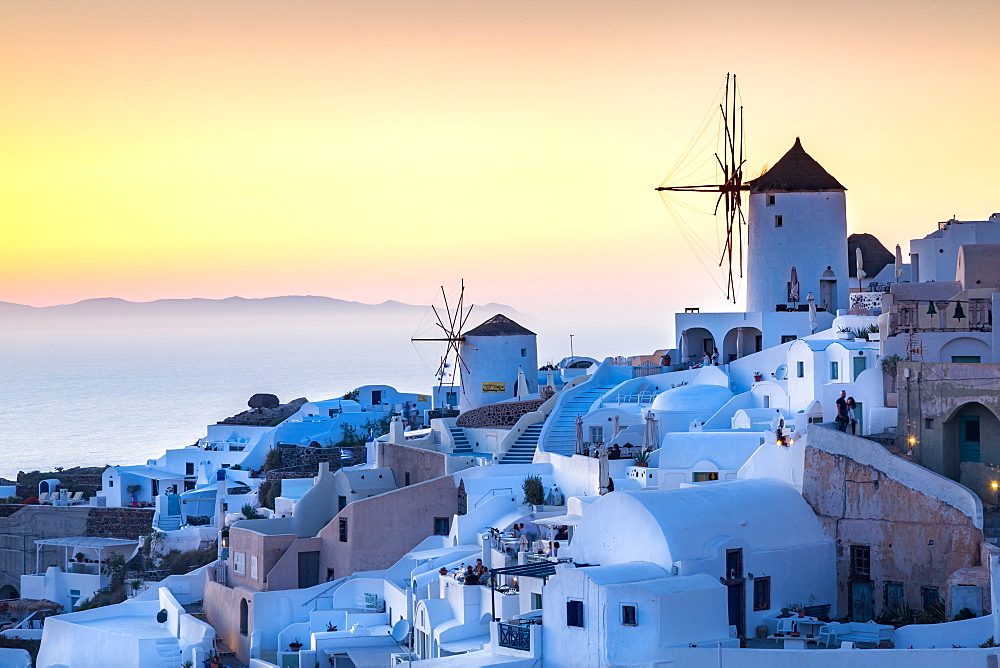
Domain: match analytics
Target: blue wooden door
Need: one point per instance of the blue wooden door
(969, 438)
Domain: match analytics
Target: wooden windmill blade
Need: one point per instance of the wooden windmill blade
(451, 326)
(730, 163)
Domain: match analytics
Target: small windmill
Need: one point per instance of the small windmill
(451, 327)
(730, 161)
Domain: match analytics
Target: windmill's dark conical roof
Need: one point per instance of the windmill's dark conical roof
(499, 325)
(796, 171)
(874, 255)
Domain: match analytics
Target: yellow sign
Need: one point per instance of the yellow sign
(494, 387)
(423, 398)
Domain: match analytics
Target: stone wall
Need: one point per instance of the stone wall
(410, 465)
(914, 537)
(302, 455)
(85, 482)
(932, 401)
(20, 530)
(505, 414)
(8, 509)
(130, 523)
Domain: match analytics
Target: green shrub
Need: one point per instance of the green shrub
(179, 563)
(250, 512)
(964, 613)
(268, 491)
(534, 492)
(199, 520)
(990, 642)
(899, 615)
(273, 460)
(932, 614)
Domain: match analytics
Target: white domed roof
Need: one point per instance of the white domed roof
(692, 398)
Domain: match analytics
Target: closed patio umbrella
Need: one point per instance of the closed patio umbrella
(579, 435)
(650, 438)
(617, 424)
(793, 286)
(899, 263)
(812, 312)
(550, 379)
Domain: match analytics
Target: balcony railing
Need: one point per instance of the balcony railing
(515, 636)
(920, 315)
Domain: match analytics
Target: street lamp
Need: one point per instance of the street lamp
(996, 490)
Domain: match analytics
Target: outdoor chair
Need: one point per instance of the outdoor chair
(75, 499)
(828, 634)
(43, 497)
(786, 624)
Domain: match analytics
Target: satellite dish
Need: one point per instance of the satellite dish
(400, 630)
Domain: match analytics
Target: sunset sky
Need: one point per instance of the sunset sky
(375, 150)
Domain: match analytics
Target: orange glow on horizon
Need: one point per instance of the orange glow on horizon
(372, 151)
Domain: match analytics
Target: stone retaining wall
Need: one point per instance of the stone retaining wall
(504, 414)
(302, 455)
(127, 523)
(85, 482)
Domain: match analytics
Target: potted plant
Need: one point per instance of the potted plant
(845, 334)
(642, 458)
(757, 376)
(443, 571)
(534, 492)
(889, 366)
(295, 645)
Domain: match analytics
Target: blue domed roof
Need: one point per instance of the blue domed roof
(692, 399)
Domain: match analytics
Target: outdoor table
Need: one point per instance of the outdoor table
(792, 642)
(808, 626)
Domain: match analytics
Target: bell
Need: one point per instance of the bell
(959, 311)
(931, 310)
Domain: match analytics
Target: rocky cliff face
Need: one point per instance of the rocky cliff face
(264, 416)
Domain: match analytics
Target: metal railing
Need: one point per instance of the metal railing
(515, 636)
(492, 494)
(939, 315)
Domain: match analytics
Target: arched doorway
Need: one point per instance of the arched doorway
(966, 350)
(695, 342)
(970, 435)
(244, 617)
(8, 592)
(740, 342)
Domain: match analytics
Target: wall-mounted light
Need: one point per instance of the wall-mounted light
(750, 575)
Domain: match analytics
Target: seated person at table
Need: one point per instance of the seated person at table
(562, 533)
(470, 577)
(554, 550)
(479, 568)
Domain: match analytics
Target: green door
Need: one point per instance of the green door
(860, 364)
(862, 601)
(969, 439)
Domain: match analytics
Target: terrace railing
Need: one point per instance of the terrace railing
(515, 636)
(921, 315)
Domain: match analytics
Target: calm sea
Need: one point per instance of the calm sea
(89, 396)
(122, 397)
